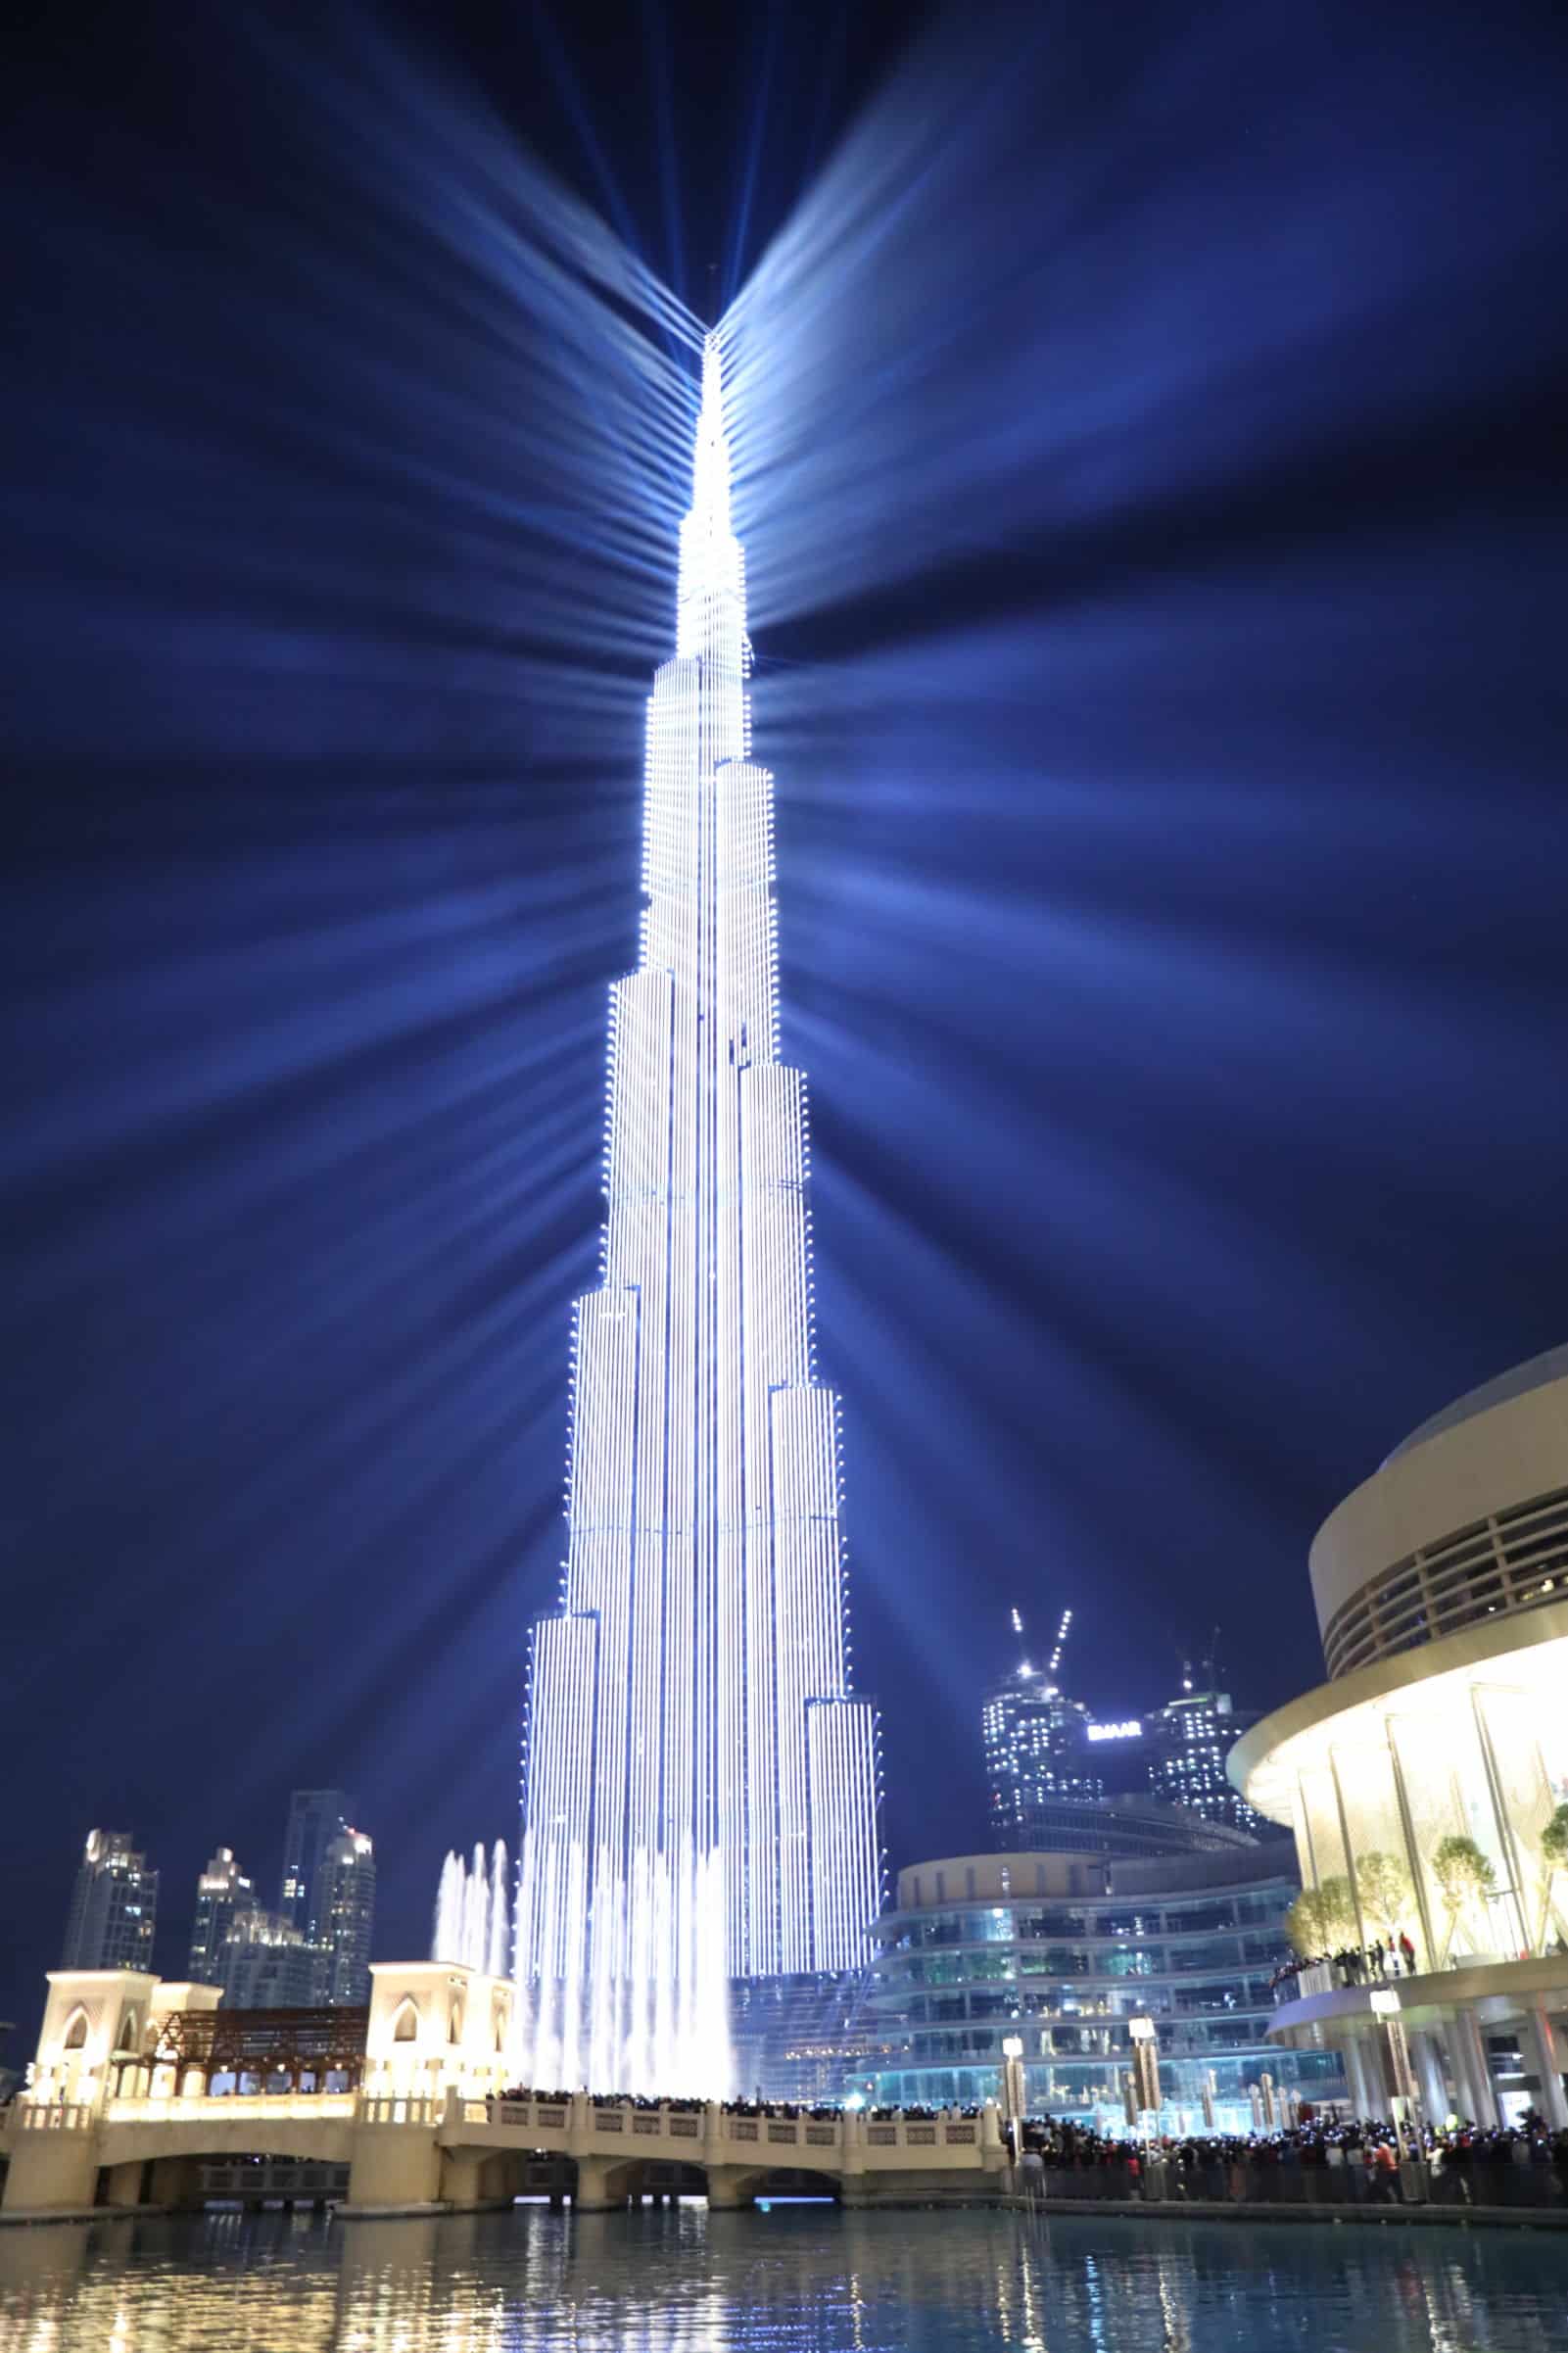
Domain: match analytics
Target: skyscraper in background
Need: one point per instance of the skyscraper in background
(348, 1911)
(1187, 1741)
(1047, 1756)
(329, 1892)
(1036, 1742)
(692, 1693)
(221, 1892)
(316, 1818)
(265, 1965)
(113, 1906)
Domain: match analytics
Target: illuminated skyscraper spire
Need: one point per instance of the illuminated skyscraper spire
(691, 1697)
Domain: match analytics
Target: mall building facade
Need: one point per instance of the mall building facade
(1063, 1951)
(1426, 1782)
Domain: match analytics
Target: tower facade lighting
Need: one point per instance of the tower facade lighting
(691, 1729)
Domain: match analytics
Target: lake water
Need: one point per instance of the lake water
(796, 2280)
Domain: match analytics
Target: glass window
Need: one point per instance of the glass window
(1195, 1918)
(1126, 1924)
(1129, 1960)
(1052, 1924)
(1220, 1994)
(1214, 1952)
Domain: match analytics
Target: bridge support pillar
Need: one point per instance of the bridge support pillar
(723, 2189)
(593, 2194)
(469, 2179)
(123, 2184)
(393, 2166)
(176, 2181)
(52, 2173)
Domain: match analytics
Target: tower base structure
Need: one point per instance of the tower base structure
(799, 2038)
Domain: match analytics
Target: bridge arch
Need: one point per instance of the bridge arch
(784, 2181)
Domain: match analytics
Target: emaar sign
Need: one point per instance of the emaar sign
(1128, 1731)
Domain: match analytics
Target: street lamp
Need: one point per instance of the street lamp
(1013, 2091)
(1145, 2064)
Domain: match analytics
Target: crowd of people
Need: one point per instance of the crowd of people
(784, 2109)
(1326, 2158)
(1333, 2159)
(1356, 1964)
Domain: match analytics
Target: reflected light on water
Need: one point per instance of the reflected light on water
(800, 2279)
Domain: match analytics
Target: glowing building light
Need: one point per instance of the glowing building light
(691, 1697)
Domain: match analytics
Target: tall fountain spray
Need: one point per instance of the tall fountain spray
(473, 1913)
(651, 2015)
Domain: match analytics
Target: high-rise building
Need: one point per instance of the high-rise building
(692, 1693)
(1047, 1755)
(266, 1964)
(329, 1892)
(113, 1906)
(1187, 1742)
(1177, 1754)
(221, 1892)
(1037, 1750)
(316, 1818)
(346, 1920)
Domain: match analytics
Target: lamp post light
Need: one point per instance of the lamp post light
(1386, 2004)
(1013, 2093)
(1145, 2069)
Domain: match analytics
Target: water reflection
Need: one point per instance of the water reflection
(804, 2280)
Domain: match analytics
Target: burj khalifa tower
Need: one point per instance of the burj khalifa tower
(691, 1740)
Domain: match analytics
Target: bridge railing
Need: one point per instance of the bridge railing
(397, 2108)
(236, 2107)
(926, 2131)
(520, 2114)
(53, 2115)
(785, 2132)
(760, 2134)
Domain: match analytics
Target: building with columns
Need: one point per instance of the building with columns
(1426, 1782)
(1070, 1958)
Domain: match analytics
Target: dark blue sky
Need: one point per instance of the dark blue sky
(1155, 519)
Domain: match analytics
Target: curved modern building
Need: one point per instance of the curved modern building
(1063, 1952)
(1424, 1778)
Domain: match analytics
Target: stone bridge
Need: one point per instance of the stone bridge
(411, 2153)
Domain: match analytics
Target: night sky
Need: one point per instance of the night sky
(1146, 428)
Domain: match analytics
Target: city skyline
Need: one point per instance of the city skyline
(1160, 675)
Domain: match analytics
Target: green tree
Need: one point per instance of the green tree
(1384, 1885)
(1320, 1918)
(1339, 1909)
(1464, 1876)
(1554, 1858)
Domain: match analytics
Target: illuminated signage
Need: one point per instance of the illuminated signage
(1131, 1730)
